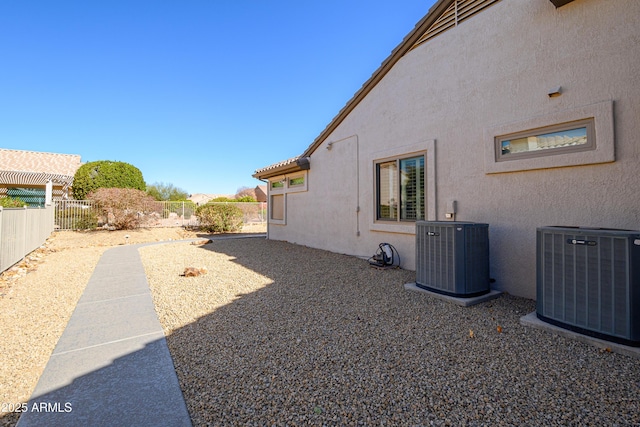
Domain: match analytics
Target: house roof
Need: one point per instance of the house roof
(276, 167)
(293, 164)
(36, 168)
(444, 14)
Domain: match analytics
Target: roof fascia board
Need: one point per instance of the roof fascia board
(282, 170)
(407, 43)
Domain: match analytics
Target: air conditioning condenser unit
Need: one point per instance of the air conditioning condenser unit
(452, 257)
(588, 281)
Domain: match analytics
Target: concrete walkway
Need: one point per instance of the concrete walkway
(111, 366)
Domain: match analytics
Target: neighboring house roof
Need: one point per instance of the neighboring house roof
(444, 14)
(36, 168)
(261, 193)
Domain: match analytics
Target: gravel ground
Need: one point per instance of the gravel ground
(279, 334)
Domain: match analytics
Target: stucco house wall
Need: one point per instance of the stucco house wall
(450, 96)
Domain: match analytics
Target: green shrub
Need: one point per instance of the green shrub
(106, 174)
(246, 199)
(220, 218)
(222, 199)
(11, 202)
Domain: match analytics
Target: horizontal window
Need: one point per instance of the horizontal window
(293, 182)
(575, 137)
(562, 138)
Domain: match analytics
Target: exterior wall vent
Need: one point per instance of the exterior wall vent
(588, 281)
(457, 12)
(452, 258)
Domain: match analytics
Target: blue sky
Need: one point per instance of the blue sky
(196, 93)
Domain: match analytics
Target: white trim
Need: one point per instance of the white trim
(296, 188)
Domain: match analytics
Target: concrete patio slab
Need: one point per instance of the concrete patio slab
(532, 321)
(463, 302)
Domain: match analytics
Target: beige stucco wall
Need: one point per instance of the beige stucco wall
(493, 70)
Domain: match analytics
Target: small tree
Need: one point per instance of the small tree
(106, 174)
(124, 208)
(167, 192)
(246, 192)
(220, 218)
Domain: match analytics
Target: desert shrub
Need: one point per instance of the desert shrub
(124, 208)
(106, 174)
(220, 218)
(89, 222)
(76, 219)
(11, 202)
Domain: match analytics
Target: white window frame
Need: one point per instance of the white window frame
(396, 189)
(287, 188)
(296, 188)
(425, 148)
(283, 220)
(533, 140)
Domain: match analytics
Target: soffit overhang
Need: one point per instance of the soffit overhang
(292, 165)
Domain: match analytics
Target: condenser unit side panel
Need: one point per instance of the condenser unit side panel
(634, 289)
(437, 248)
(477, 259)
(434, 257)
(447, 245)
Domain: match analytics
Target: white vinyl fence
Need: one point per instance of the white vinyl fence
(22, 230)
(85, 214)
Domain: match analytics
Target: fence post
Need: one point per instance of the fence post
(1, 245)
(48, 193)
